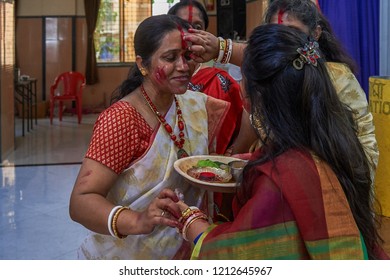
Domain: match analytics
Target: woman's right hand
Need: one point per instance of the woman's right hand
(163, 210)
(204, 45)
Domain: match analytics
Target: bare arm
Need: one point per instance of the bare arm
(246, 137)
(195, 228)
(89, 206)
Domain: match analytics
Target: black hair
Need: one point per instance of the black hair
(308, 13)
(185, 3)
(147, 40)
(300, 109)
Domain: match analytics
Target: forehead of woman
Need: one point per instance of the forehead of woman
(172, 41)
(150, 33)
(193, 15)
(289, 19)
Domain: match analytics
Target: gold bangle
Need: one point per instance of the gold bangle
(222, 48)
(184, 218)
(228, 51)
(185, 229)
(114, 225)
(186, 212)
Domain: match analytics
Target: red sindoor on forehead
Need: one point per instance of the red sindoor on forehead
(190, 8)
(280, 16)
(184, 44)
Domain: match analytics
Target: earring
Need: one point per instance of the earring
(143, 71)
(256, 124)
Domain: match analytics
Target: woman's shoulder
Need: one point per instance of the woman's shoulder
(297, 160)
(347, 86)
(338, 67)
(120, 111)
(122, 107)
(291, 161)
(340, 73)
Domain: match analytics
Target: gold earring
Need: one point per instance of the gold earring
(257, 125)
(143, 71)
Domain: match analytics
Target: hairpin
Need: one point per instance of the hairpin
(308, 54)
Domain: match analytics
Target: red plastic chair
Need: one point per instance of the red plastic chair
(67, 86)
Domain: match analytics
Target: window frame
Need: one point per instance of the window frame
(121, 33)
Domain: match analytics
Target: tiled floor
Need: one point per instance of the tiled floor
(36, 182)
(61, 142)
(34, 222)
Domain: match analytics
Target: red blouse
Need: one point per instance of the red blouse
(120, 136)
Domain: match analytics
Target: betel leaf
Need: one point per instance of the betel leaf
(208, 163)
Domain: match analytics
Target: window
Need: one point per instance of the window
(7, 35)
(162, 6)
(116, 25)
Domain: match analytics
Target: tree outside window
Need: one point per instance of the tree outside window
(117, 22)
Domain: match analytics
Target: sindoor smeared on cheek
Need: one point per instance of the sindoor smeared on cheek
(160, 74)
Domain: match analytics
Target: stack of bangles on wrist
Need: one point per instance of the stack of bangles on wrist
(188, 217)
(112, 221)
(225, 50)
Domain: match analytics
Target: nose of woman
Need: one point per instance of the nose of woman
(182, 64)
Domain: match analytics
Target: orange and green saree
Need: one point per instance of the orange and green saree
(297, 210)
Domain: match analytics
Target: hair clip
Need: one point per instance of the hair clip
(308, 54)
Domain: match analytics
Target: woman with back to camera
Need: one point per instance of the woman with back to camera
(304, 15)
(154, 121)
(306, 192)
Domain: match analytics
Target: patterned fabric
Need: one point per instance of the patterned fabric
(120, 135)
(350, 93)
(147, 175)
(297, 210)
(219, 84)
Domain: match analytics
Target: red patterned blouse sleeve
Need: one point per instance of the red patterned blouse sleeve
(117, 137)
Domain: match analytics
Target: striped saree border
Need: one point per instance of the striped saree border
(281, 241)
(337, 248)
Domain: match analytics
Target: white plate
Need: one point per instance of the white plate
(183, 164)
